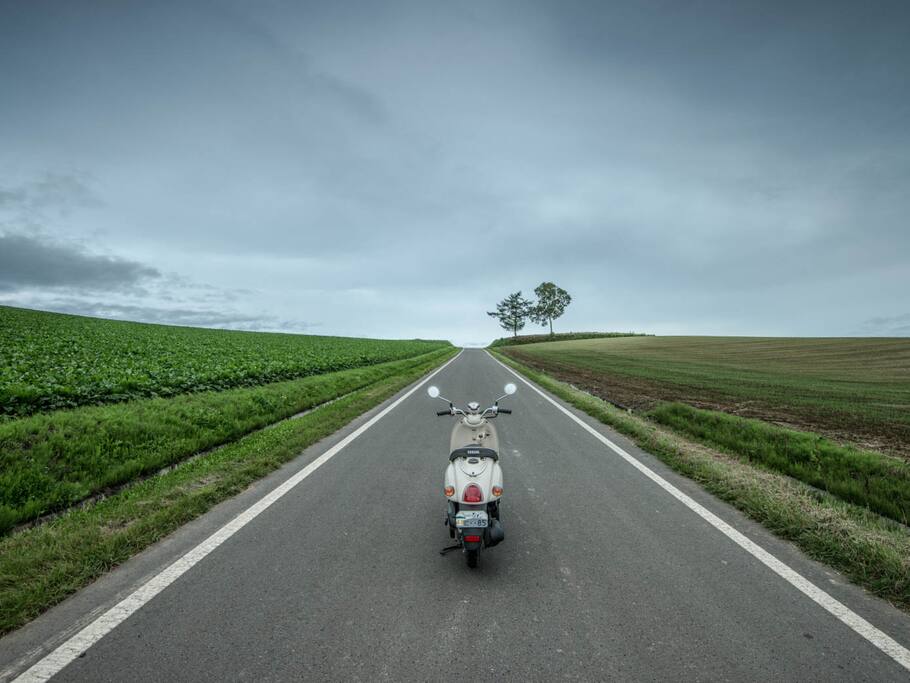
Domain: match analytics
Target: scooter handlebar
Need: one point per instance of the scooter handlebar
(504, 410)
(440, 413)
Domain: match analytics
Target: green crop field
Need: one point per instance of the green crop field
(853, 390)
(51, 461)
(50, 361)
(174, 392)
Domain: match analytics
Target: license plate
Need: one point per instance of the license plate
(475, 519)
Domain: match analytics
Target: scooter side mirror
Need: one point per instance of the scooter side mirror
(433, 391)
(510, 389)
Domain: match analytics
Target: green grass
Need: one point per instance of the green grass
(873, 551)
(50, 360)
(877, 482)
(559, 336)
(53, 460)
(41, 566)
(855, 390)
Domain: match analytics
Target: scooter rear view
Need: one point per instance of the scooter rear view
(473, 478)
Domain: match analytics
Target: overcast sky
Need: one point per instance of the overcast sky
(393, 169)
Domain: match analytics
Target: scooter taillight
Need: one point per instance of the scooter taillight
(472, 494)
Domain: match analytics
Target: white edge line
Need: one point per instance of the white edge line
(56, 660)
(881, 640)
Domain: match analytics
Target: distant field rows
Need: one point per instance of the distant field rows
(50, 361)
(842, 506)
(853, 390)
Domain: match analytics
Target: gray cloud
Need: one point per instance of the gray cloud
(29, 261)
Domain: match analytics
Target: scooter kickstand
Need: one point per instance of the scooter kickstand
(449, 549)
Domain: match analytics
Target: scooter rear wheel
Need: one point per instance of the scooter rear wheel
(471, 556)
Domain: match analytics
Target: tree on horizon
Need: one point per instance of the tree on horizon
(551, 304)
(512, 312)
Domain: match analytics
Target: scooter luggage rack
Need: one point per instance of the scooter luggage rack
(474, 452)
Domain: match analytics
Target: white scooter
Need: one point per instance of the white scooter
(473, 481)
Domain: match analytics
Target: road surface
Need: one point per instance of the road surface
(603, 574)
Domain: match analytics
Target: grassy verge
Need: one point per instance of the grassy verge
(52, 461)
(868, 479)
(872, 550)
(41, 566)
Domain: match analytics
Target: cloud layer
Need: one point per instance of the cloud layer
(394, 169)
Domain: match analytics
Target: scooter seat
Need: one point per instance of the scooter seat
(474, 452)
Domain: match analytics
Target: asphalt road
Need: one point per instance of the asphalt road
(602, 575)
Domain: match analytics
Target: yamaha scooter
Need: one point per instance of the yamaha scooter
(473, 479)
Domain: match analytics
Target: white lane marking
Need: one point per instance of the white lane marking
(881, 640)
(107, 622)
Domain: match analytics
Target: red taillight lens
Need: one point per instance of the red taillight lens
(472, 539)
(472, 494)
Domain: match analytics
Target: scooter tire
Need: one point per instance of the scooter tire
(472, 558)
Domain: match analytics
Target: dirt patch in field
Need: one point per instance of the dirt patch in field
(640, 395)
